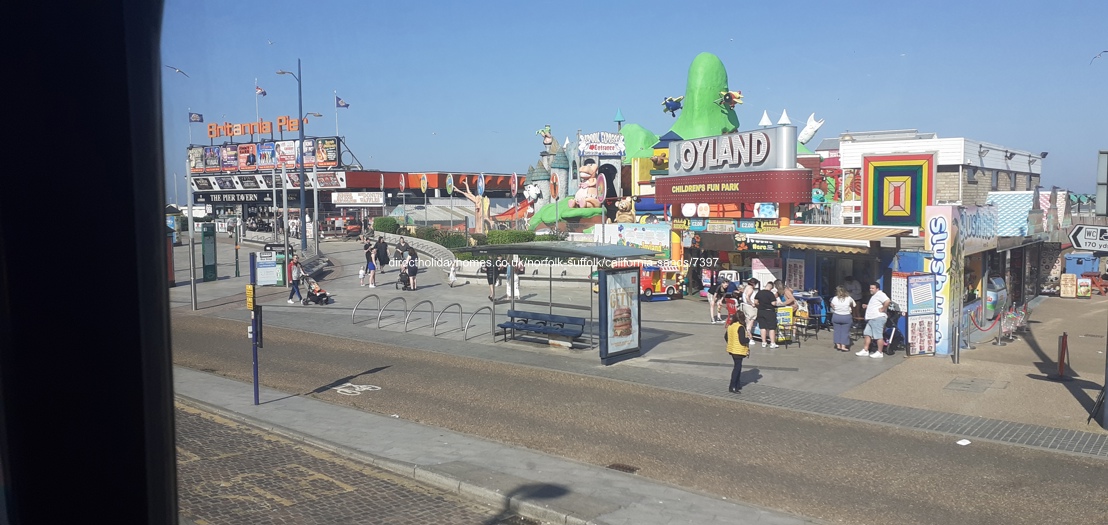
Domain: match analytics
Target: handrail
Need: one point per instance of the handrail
(360, 303)
(465, 333)
(386, 305)
(410, 312)
(435, 327)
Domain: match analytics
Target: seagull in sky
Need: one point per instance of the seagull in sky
(1097, 56)
(179, 71)
(270, 42)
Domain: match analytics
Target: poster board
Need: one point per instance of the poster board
(619, 314)
(1067, 285)
(920, 311)
(794, 273)
(1084, 287)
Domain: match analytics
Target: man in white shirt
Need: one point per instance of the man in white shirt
(875, 322)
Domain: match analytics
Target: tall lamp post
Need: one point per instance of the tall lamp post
(316, 232)
(300, 154)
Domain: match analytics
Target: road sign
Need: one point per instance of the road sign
(1092, 238)
(250, 297)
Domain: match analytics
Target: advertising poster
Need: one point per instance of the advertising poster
(202, 183)
(794, 274)
(945, 261)
(327, 152)
(919, 328)
(267, 156)
(196, 160)
(619, 313)
(1067, 286)
(309, 152)
(225, 183)
(248, 157)
(229, 158)
(286, 153)
(248, 182)
(646, 236)
(328, 180)
(211, 159)
(921, 295)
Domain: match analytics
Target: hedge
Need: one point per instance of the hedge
(385, 224)
(510, 236)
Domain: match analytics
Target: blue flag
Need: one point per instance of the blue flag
(196, 117)
(340, 103)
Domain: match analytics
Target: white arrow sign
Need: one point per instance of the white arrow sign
(1085, 237)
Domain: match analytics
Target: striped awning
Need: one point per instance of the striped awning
(839, 239)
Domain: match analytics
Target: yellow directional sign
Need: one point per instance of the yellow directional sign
(250, 297)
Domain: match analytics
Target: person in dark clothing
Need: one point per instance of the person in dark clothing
(501, 268)
(382, 248)
(489, 269)
(766, 302)
(411, 265)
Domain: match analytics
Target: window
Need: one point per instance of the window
(995, 181)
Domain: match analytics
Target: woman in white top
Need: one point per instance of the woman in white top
(841, 307)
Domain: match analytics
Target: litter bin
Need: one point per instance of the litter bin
(1078, 263)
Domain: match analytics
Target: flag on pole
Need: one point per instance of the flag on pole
(259, 91)
(340, 103)
(195, 117)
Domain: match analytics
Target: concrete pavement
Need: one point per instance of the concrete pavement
(997, 393)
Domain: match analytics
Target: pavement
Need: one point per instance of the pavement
(1007, 394)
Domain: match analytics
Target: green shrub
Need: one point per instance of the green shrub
(385, 224)
(463, 256)
(426, 233)
(510, 236)
(450, 240)
(479, 239)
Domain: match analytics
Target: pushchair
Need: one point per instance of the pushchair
(315, 294)
(893, 337)
(404, 282)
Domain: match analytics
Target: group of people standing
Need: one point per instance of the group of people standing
(377, 258)
(845, 307)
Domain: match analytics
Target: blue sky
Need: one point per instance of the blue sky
(463, 86)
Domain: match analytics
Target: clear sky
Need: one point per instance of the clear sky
(463, 86)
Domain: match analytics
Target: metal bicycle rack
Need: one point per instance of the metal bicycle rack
(355, 311)
(435, 327)
(465, 333)
(386, 306)
(410, 312)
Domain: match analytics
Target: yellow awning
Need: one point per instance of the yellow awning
(839, 239)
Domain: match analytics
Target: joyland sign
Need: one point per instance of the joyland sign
(750, 166)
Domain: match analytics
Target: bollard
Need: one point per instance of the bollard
(1063, 357)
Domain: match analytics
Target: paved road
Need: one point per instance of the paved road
(825, 468)
(229, 473)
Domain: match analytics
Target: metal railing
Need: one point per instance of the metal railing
(435, 327)
(386, 306)
(355, 311)
(410, 312)
(465, 333)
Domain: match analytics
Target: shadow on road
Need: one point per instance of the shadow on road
(537, 491)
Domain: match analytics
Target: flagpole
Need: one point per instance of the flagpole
(257, 114)
(190, 126)
(336, 113)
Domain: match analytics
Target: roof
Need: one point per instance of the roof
(564, 249)
(839, 239)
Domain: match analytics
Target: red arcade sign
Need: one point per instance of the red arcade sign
(781, 186)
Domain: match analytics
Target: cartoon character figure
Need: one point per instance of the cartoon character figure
(586, 196)
(671, 105)
(730, 98)
(547, 138)
(625, 210)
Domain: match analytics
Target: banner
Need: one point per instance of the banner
(942, 241)
(248, 157)
(327, 152)
(267, 156)
(647, 236)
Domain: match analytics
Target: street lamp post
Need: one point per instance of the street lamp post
(300, 154)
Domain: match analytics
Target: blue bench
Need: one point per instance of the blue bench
(560, 329)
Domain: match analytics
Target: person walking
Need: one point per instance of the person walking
(738, 345)
(876, 316)
(411, 265)
(452, 272)
(489, 269)
(842, 315)
(518, 269)
(501, 269)
(714, 296)
(766, 302)
(295, 273)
